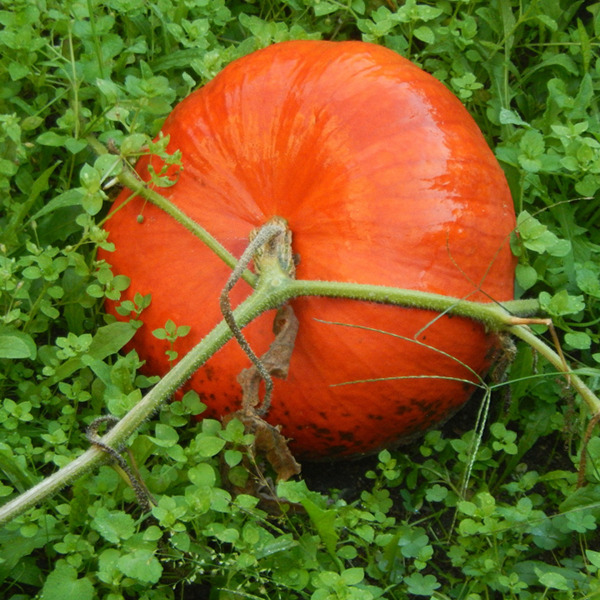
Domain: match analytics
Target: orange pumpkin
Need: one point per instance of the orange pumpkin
(384, 178)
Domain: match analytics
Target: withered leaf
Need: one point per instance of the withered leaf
(276, 359)
(268, 440)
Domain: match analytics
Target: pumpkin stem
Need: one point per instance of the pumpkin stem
(270, 246)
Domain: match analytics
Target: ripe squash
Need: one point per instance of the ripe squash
(384, 178)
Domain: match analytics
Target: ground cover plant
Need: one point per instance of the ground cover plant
(492, 505)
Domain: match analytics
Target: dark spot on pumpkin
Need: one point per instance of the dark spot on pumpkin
(321, 432)
(347, 435)
(427, 410)
(209, 372)
(402, 409)
(413, 421)
(375, 417)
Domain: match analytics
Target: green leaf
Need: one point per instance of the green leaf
(134, 143)
(62, 583)
(425, 34)
(92, 203)
(587, 497)
(578, 340)
(421, 585)
(15, 344)
(353, 576)
(165, 436)
(17, 71)
(537, 237)
(74, 146)
(159, 334)
(294, 578)
(322, 7)
(109, 89)
(509, 117)
(581, 521)
(526, 276)
(113, 526)
(412, 543)
(107, 566)
(561, 304)
(141, 565)
(552, 580)
(324, 522)
(109, 339)
(588, 185)
(233, 457)
(40, 185)
(594, 557)
(202, 475)
(209, 445)
(588, 278)
(436, 493)
(49, 138)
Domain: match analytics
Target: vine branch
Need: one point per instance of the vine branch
(131, 180)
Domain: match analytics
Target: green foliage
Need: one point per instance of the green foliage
(454, 516)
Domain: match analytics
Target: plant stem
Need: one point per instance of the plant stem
(261, 300)
(495, 316)
(143, 410)
(554, 358)
(130, 180)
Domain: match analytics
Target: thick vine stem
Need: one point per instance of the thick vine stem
(495, 316)
(117, 436)
(130, 180)
(261, 300)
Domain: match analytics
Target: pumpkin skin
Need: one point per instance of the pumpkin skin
(384, 178)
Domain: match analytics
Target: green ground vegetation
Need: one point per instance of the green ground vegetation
(484, 508)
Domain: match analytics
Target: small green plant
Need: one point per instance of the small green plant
(170, 333)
